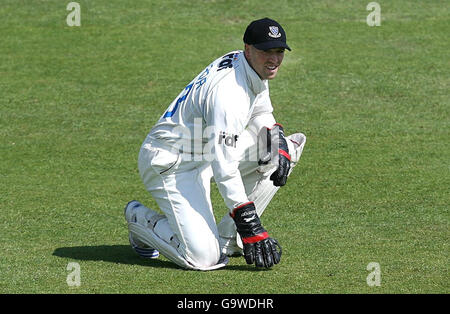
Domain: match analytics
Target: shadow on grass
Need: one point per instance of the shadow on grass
(124, 254)
(121, 254)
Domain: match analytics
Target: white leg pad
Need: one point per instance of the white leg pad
(147, 236)
(168, 249)
(296, 142)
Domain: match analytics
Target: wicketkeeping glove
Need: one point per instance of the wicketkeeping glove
(279, 177)
(259, 248)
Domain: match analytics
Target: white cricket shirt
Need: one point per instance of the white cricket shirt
(208, 116)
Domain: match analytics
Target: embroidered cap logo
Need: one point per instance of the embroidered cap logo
(274, 33)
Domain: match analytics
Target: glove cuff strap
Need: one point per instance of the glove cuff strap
(255, 238)
(284, 153)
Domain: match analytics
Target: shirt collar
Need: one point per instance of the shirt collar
(253, 80)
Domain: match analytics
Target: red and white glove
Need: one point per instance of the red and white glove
(279, 177)
(276, 149)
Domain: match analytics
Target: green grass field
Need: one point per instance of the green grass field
(372, 185)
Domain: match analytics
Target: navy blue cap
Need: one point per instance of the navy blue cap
(265, 34)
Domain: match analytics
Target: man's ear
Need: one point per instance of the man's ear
(247, 50)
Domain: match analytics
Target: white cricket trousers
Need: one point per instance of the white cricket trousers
(181, 188)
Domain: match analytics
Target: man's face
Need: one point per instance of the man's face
(265, 62)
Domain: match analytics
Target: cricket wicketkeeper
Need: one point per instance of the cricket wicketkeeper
(219, 127)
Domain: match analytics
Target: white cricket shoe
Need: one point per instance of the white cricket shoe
(136, 212)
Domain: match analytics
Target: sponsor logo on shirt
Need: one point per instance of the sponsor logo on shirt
(228, 139)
